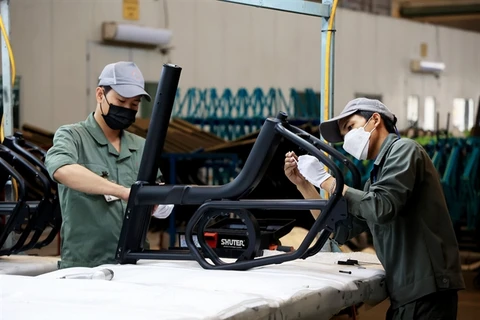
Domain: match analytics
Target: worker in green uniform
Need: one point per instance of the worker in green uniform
(95, 162)
(402, 204)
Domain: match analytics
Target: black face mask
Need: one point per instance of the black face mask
(119, 118)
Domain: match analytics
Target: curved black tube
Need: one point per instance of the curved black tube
(255, 167)
(357, 180)
(30, 172)
(318, 154)
(52, 216)
(251, 174)
(328, 218)
(26, 149)
(336, 194)
(55, 223)
(40, 214)
(19, 145)
(18, 214)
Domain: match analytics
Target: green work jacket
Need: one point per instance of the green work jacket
(404, 207)
(91, 226)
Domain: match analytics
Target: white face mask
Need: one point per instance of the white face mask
(357, 141)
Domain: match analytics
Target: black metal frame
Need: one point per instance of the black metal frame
(144, 193)
(52, 217)
(39, 212)
(16, 211)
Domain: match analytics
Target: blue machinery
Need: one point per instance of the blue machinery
(458, 162)
(231, 115)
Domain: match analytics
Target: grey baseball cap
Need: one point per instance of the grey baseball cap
(125, 78)
(330, 129)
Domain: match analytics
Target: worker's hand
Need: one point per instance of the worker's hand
(162, 211)
(124, 194)
(313, 170)
(291, 170)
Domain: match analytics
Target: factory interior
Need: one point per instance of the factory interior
(201, 192)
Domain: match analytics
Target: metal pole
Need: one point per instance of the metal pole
(332, 75)
(6, 73)
(157, 129)
(323, 115)
(326, 112)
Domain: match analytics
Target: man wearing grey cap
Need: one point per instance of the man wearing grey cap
(95, 162)
(402, 204)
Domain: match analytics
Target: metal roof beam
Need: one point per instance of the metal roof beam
(439, 10)
(294, 6)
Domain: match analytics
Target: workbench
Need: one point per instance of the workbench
(26, 265)
(301, 289)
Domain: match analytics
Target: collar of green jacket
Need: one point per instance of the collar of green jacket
(97, 133)
(389, 140)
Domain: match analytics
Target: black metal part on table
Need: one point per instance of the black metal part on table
(16, 211)
(39, 211)
(36, 155)
(144, 193)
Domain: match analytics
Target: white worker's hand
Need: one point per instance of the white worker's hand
(312, 169)
(162, 211)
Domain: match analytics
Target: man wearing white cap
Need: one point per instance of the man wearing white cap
(95, 162)
(402, 204)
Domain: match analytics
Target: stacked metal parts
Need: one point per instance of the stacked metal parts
(30, 211)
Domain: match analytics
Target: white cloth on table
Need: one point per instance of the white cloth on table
(165, 290)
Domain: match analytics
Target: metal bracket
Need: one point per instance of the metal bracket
(295, 6)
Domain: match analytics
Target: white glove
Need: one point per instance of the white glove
(163, 211)
(312, 170)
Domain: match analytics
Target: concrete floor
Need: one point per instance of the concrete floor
(468, 305)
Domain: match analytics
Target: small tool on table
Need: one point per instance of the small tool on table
(353, 262)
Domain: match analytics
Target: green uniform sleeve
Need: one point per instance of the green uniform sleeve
(387, 196)
(63, 152)
(349, 228)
